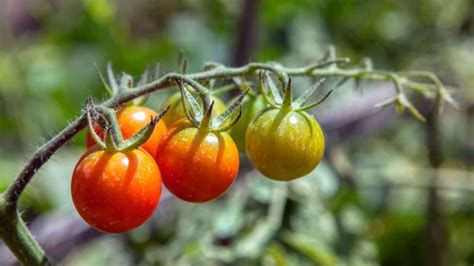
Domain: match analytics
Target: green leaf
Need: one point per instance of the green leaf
(102, 80)
(268, 81)
(206, 121)
(230, 116)
(263, 91)
(111, 76)
(386, 103)
(309, 106)
(306, 94)
(191, 106)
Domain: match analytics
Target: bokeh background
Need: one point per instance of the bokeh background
(374, 200)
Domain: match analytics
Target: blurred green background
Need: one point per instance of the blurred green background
(372, 201)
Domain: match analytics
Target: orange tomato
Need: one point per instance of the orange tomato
(133, 118)
(197, 165)
(116, 192)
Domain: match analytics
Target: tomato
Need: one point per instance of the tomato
(284, 145)
(116, 192)
(197, 165)
(176, 110)
(251, 106)
(133, 118)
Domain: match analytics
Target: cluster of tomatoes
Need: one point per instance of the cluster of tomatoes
(118, 191)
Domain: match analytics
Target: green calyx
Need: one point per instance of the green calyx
(201, 115)
(113, 138)
(286, 101)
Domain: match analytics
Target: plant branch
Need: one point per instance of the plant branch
(18, 238)
(324, 68)
(220, 72)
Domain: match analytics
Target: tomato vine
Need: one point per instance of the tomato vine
(17, 236)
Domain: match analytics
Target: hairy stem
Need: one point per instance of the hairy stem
(15, 234)
(41, 156)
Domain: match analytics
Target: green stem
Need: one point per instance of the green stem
(17, 237)
(113, 129)
(287, 103)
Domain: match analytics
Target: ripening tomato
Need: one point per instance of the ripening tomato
(116, 192)
(197, 165)
(284, 145)
(133, 118)
(176, 110)
(251, 106)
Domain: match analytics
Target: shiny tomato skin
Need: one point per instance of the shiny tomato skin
(116, 192)
(176, 110)
(250, 109)
(197, 165)
(284, 145)
(131, 119)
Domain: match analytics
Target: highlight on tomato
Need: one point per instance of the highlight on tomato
(116, 185)
(131, 119)
(284, 142)
(198, 160)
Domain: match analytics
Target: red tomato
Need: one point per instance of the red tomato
(116, 192)
(133, 118)
(197, 165)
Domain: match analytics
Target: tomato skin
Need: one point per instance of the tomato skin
(197, 166)
(176, 110)
(133, 118)
(116, 192)
(250, 109)
(284, 145)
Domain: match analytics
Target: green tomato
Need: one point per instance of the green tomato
(176, 110)
(251, 106)
(284, 145)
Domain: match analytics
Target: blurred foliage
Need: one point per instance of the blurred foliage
(47, 52)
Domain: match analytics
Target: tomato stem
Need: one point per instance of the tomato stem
(18, 238)
(91, 122)
(287, 103)
(327, 67)
(206, 122)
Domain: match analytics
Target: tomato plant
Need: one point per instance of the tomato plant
(131, 119)
(116, 192)
(116, 185)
